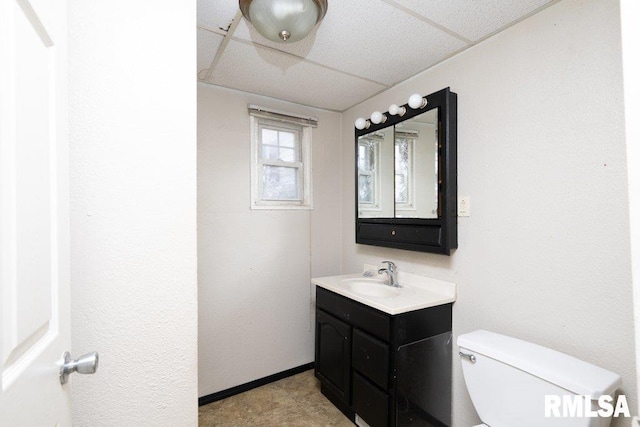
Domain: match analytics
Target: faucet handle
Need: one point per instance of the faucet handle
(390, 265)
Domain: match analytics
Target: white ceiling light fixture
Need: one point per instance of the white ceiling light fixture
(284, 20)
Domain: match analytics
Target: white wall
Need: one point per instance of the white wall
(133, 220)
(630, 14)
(544, 255)
(256, 309)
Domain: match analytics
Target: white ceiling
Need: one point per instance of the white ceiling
(361, 48)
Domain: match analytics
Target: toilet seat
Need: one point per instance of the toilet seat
(481, 425)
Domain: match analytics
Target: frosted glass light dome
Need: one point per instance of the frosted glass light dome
(284, 20)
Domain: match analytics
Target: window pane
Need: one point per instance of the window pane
(288, 155)
(402, 192)
(402, 155)
(287, 139)
(362, 159)
(280, 183)
(269, 136)
(365, 189)
(279, 145)
(269, 152)
(366, 156)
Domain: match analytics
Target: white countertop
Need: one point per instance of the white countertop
(416, 292)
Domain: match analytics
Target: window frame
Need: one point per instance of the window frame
(410, 140)
(373, 143)
(258, 162)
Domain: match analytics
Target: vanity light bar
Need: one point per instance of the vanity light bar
(416, 102)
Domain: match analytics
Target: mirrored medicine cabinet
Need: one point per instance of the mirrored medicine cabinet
(406, 177)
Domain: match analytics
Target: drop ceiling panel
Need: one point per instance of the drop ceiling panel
(216, 13)
(473, 19)
(368, 38)
(360, 48)
(261, 70)
(208, 45)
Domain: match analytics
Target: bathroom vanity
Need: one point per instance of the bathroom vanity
(384, 355)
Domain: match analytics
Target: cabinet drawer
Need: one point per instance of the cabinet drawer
(369, 402)
(359, 315)
(370, 357)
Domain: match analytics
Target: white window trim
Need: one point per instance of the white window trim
(410, 178)
(375, 174)
(306, 203)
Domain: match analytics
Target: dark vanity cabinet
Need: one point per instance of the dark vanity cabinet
(390, 370)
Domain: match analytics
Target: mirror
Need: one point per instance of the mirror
(398, 170)
(406, 178)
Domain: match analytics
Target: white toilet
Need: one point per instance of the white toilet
(508, 379)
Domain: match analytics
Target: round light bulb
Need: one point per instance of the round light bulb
(417, 101)
(394, 110)
(361, 123)
(377, 117)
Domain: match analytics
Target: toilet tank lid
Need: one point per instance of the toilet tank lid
(565, 371)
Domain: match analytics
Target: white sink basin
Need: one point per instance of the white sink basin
(416, 292)
(371, 288)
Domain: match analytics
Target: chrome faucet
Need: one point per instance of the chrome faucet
(392, 273)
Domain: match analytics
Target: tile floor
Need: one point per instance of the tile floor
(293, 401)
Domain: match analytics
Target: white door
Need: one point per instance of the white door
(34, 234)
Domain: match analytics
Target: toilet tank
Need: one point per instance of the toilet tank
(510, 378)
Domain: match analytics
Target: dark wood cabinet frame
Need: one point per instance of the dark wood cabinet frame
(360, 364)
(438, 235)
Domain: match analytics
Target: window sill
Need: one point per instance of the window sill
(282, 207)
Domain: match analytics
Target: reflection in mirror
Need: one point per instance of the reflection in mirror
(398, 170)
(416, 166)
(375, 174)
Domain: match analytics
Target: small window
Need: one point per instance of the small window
(281, 177)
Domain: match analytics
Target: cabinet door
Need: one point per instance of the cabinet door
(370, 403)
(333, 355)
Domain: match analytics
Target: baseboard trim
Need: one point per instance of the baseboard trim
(210, 398)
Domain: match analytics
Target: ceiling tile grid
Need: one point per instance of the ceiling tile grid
(216, 13)
(370, 39)
(360, 48)
(473, 19)
(288, 78)
(208, 45)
